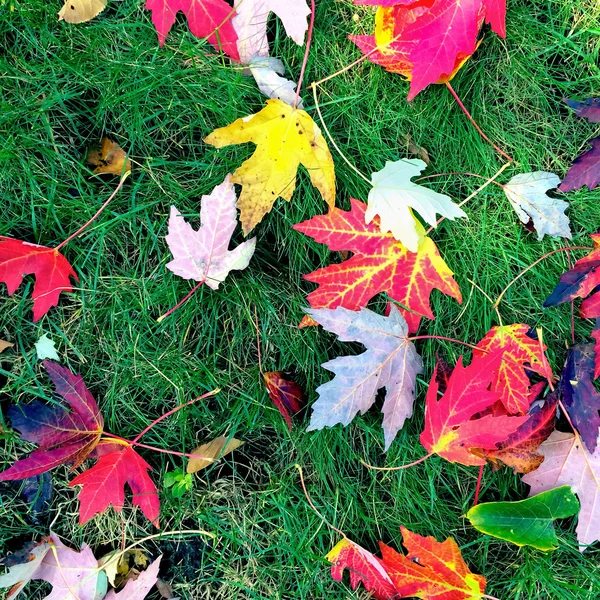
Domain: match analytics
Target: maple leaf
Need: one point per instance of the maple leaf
(380, 264)
(80, 11)
(62, 435)
(391, 361)
(285, 138)
(568, 462)
(579, 396)
(580, 281)
(73, 575)
(45, 348)
(108, 158)
(587, 109)
(268, 74)
(519, 450)
(437, 35)
(203, 255)
(211, 451)
(103, 485)
(364, 568)
(209, 19)
(520, 352)
(250, 24)
(285, 394)
(393, 195)
(585, 170)
(51, 269)
(137, 589)
(596, 336)
(450, 429)
(527, 194)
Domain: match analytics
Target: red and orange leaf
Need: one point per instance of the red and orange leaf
(519, 450)
(450, 429)
(63, 435)
(103, 485)
(364, 568)
(51, 269)
(520, 351)
(285, 394)
(379, 264)
(431, 570)
(579, 282)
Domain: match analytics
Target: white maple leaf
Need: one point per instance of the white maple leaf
(527, 194)
(391, 361)
(250, 23)
(267, 72)
(394, 195)
(203, 255)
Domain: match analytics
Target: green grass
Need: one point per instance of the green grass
(64, 86)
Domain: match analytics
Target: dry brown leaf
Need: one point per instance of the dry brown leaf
(213, 451)
(80, 11)
(416, 150)
(4, 345)
(108, 158)
(118, 572)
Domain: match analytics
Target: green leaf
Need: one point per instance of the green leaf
(526, 522)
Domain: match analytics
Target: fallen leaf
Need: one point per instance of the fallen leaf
(62, 435)
(250, 24)
(80, 11)
(137, 589)
(267, 73)
(211, 19)
(419, 151)
(37, 491)
(380, 264)
(72, 575)
(567, 462)
(212, 452)
(585, 170)
(521, 352)
(394, 196)
(165, 590)
(285, 394)
(109, 157)
(390, 361)
(364, 568)
(45, 348)
(203, 255)
(436, 38)
(118, 570)
(103, 485)
(596, 336)
(586, 109)
(579, 396)
(527, 194)
(5, 345)
(580, 281)
(527, 522)
(23, 566)
(450, 429)
(519, 450)
(285, 138)
(51, 269)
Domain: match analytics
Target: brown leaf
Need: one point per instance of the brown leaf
(416, 150)
(165, 589)
(212, 451)
(108, 158)
(4, 345)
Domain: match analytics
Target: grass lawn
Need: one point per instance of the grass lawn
(65, 86)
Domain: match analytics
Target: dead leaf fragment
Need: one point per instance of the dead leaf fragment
(109, 157)
(212, 451)
(118, 572)
(416, 150)
(4, 345)
(80, 11)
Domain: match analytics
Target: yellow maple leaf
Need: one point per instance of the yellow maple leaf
(285, 138)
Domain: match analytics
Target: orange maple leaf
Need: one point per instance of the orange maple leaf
(380, 264)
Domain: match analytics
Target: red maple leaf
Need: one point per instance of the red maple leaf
(209, 19)
(520, 351)
(585, 170)
(450, 429)
(63, 435)
(380, 264)
(285, 394)
(51, 269)
(435, 36)
(104, 483)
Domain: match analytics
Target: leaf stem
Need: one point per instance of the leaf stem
(185, 299)
(173, 411)
(412, 464)
(442, 337)
(474, 123)
(533, 264)
(306, 51)
(478, 486)
(86, 225)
